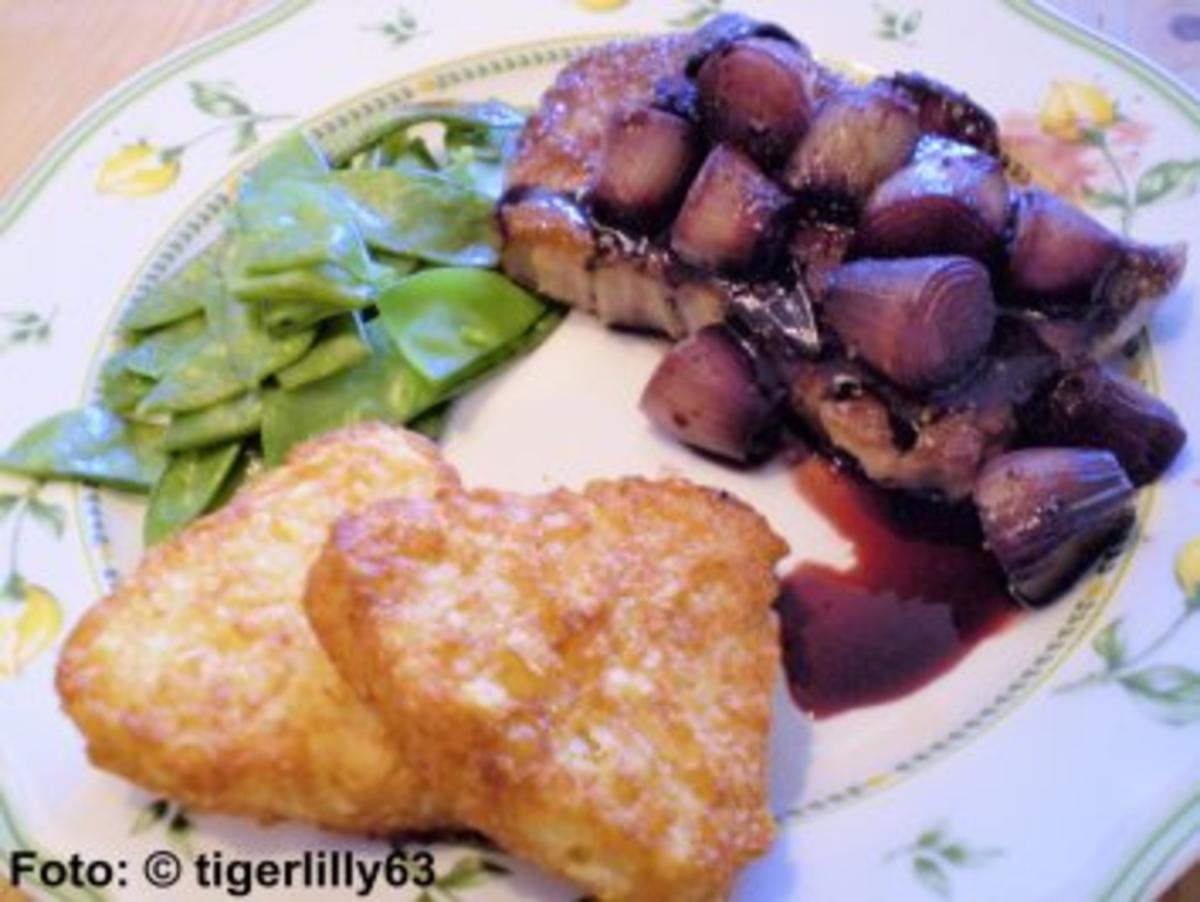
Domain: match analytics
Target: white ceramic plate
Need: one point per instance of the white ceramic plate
(991, 783)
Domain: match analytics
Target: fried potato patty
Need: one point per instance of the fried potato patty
(585, 677)
(200, 679)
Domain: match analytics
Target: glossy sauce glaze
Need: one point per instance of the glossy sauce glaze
(920, 594)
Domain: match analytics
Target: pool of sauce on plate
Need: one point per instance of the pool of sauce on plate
(920, 594)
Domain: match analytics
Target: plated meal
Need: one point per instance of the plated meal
(327, 626)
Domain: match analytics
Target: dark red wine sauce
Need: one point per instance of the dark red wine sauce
(920, 594)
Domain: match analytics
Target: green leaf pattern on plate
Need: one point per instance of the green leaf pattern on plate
(1170, 693)
(896, 25)
(24, 327)
(697, 13)
(469, 872)
(934, 857)
(401, 28)
(170, 817)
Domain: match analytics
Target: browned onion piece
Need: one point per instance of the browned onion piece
(708, 393)
(722, 30)
(649, 158)
(1058, 254)
(1049, 513)
(731, 216)
(754, 94)
(1090, 408)
(1098, 288)
(950, 113)
(921, 322)
(949, 200)
(858, 137)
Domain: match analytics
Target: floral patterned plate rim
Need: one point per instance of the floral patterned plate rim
(1107, 669)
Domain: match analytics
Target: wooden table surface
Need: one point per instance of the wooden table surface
(74, 50)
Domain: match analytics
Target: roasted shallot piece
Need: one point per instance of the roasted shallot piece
(858, 138)
(709, 394)
(649, 158)
(920, 322)
(731, 217)
(754, 94)
(951, 199)
(1048, 512)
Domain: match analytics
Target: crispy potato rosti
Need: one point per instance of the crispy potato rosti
(200, 678)
(585, 677)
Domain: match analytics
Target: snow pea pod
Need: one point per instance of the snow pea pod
(424, 215)
(187, 488)
(294, 236)
(325, 285)
(293, 156)
(450, 323)
(238, 418)
(202, 374)
(487, 115)
(91, 444)
(180, 295)
(382, 387)
(120, 388)
(151, 356)
(341, 344)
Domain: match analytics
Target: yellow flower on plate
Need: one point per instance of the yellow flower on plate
(27, 633)
(601, 6)
(138, 170)
(1074, 108)
(1187, 570)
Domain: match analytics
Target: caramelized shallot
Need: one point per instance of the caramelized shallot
(1065, 264)
(858, 137)
(731, 215)
(1091, 408)
(950, 200)
(1049, 513)
(722, 30)
(709, 393)
(754, 94)
(649, 158)
(920, 322)
(950, 113)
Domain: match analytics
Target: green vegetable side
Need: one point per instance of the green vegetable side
(336, 294)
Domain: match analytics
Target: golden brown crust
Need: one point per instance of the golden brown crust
(561, 141)
(200, 678)
(586, 676)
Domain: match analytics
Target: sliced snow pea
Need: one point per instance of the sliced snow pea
(487, 115)
(202, 374)
(340, 345)
(215, 425)
(180, 295)
(188, 487)
(293, 156)
(451, 323)
(289, 221)
(381, 387)
(238, 325)
(151, 356)
(325, 285)
(91, 444)
(120, 388)
(423, 214)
